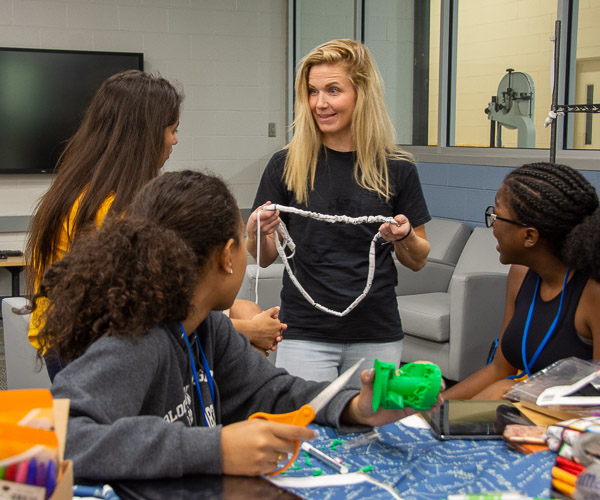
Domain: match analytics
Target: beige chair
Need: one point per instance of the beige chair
(23, 370)
(454, 327)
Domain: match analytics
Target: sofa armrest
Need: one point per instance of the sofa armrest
(477, 302)
(434, 277)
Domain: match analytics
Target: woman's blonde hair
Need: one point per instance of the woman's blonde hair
(373, 133)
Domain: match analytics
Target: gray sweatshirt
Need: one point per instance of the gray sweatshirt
(135, 412)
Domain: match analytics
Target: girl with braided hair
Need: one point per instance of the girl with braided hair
(546, 219)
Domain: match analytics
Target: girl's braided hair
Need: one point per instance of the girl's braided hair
(563, 206)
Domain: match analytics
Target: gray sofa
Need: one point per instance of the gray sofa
(451, 310)
(454, 325)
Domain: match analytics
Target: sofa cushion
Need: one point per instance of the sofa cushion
(426, 315)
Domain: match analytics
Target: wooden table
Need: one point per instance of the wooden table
(14, 265)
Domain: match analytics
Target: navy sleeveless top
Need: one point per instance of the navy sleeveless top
(564, 342)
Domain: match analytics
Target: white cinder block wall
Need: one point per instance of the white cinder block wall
(229, 55)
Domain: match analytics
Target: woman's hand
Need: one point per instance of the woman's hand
(269, 220)
(254, 447)
(262, 328)
(360, 410)
(410, 243)
(392, 232)
(267, 329)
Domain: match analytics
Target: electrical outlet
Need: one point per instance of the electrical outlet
(272, 131)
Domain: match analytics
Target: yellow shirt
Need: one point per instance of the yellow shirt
(36, 323)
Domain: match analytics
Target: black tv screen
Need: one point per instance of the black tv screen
(43, 96)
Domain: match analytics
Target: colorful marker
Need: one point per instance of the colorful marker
(50, 479)
(31, 471)
(40, 475)
(21, 475)
(11, 472)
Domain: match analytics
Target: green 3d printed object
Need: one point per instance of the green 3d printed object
(416, 385)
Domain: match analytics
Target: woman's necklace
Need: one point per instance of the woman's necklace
(289, 243)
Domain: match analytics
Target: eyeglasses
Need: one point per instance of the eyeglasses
(490, 218)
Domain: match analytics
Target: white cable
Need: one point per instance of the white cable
(289, 243)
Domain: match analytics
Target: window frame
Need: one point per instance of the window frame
(442, 153)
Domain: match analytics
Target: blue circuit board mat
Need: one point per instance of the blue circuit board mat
(420, 467)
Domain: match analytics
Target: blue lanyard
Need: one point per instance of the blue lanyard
(549, 333)
(195, 372)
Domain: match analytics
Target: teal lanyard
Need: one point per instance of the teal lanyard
(195, 372)
(549, 333)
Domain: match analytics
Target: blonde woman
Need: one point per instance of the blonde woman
(342, 160)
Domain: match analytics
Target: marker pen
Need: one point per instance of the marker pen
(40, 475)
(318, 454)
(31, 470)
(21, 475)
(50, 478)
(11, 472)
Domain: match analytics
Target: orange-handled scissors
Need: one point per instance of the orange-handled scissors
(306, 414)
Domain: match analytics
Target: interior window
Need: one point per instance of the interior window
(399, 36)
(583, 129)
(495, 85)
(504, 55)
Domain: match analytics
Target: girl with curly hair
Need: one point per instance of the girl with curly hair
(342, 160)
(546, 219)
(159, 382)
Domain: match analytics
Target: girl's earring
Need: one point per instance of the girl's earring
(230, 271)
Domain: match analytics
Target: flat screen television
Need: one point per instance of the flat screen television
(43, 96)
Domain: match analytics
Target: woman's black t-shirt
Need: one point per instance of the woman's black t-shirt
(331, 259)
